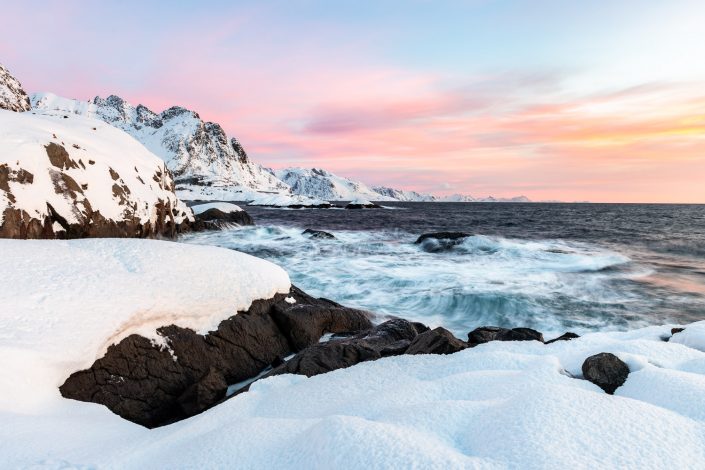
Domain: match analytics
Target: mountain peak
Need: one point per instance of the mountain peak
(12, 96)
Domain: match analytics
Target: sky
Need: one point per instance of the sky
(598, 101)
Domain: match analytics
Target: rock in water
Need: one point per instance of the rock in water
(564, 337)
(12, 96)
(318, 234)
(215, 218)
(605, 370)
(442, 236)
(485, 334)
(437, 341)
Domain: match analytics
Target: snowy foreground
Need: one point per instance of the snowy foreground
(498, 405)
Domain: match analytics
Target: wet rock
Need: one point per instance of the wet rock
(318, 234)
(486, 334)
(564, 337)
(606, 371)
(154, 385)
(437, 341)
(387, 339)
(442, 236)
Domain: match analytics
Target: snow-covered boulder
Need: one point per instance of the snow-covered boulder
(198, 153)
(361, 203)
(12, 96)
(69, 176)
(220, 215)
(287, 201)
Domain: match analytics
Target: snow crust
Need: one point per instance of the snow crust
(98, 149)
(499, 405)
(225, 207)
(64, 302)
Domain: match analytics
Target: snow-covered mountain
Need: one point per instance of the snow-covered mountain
(198, 153)
(12, 96)
(322, 184)
(402, 195)
(467, 198)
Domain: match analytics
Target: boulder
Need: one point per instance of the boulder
(440, 241)
(436, 341)
(486, 334)
(605, 370)
(318, 234)
(564, 337)
(152, 384)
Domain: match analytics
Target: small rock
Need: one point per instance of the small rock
(442, 236)
(438, 341)
(485, 334)
(318, 234)
(676, 330)
(564, 337)
(605, 370)
(203, 394)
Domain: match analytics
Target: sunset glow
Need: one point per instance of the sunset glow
(543, 99)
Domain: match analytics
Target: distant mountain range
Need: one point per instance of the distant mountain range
(207, 164)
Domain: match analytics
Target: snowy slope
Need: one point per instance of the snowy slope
(322, 184)
(12, 96)
(90, 174)
(498, 405)
(197, 152)
(467, 198)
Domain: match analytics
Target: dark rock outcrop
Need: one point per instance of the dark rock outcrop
(436, 341)
(214, 218)
(564, 337)
(154, 385)
(440, 241)
(387, 339)
(605, 370)
(318, 234)
(12, 96)
(486, 334)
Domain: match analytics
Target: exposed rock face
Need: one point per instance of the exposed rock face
(77, 177)
(605, 370)
(12, 96)
(486, 334)
(437, 341)
(318, 234)
(154, 385)
(215, 218)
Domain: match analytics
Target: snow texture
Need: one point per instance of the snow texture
(224, 207)
(103, 158)
(12, 96)
(498, 405)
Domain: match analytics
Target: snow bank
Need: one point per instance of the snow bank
(64, 302)
(693, 336)
(499, 405)
(225, 207)
(283, 200)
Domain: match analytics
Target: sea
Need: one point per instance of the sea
(552, 267)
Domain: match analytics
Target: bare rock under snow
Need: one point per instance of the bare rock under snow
(155, 383)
